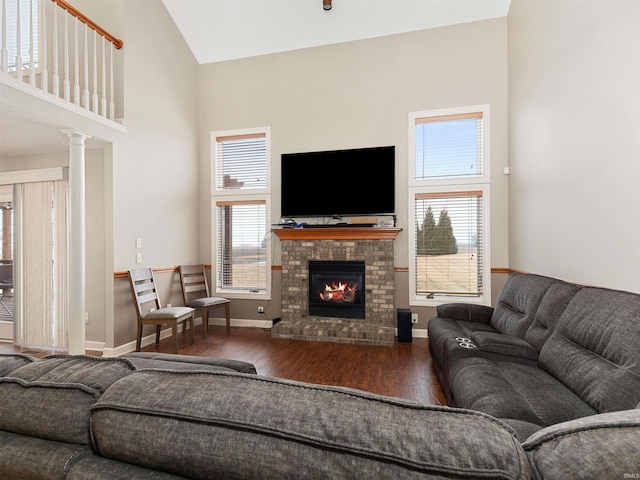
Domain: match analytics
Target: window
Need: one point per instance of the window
(449, 201)
(27, 12)
(240, 205)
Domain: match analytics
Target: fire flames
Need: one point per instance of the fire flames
(339, 292)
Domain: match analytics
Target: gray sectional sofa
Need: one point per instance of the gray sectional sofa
(166, 417)
(549, 352)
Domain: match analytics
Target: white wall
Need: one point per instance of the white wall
(359, 94)
(155, 167)
(574, 123)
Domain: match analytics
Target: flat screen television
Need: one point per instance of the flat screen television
(338, 183)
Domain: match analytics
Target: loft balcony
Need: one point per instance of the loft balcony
(54, 53)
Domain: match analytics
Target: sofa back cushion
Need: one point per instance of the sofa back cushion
(518, 302)
(9, 362)
(594, 348)
(231, 425)
(51, 399)
(551, 308)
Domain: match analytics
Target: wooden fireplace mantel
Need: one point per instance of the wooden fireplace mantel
(338, 233)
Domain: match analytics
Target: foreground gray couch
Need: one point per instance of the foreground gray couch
(86, 418)
(549, 352)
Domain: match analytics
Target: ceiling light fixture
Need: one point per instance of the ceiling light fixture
(326, 4)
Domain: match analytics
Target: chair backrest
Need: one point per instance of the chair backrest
(6, 274)
(194, 282)
(143, 290)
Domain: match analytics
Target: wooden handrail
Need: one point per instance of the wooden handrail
(117, 43)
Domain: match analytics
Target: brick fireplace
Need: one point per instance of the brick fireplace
(374, 247)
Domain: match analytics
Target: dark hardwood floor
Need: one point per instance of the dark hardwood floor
(402, 370)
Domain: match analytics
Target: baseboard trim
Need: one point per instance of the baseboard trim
(166, 333)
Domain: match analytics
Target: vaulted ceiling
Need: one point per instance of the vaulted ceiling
(218, 30)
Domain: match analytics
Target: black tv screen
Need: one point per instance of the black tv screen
(338, 183)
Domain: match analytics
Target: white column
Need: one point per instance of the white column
(77, 277)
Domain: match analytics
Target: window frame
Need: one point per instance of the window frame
(251, 195)
(444, 185)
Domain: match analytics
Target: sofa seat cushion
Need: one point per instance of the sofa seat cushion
(452, 340)
(51, 398)
(9, 362)
(445, 336)
(506, 345)
(23, 457)
(94, 467)
(594, 349)
(510, 390)
(166, 361)
(599, 446)
(290, 430)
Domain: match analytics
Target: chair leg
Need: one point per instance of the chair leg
(227, 313)
(174, 331)
(157, 334)
(139, 338)
(191, 318)
(205, 321)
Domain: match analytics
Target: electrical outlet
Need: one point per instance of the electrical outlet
(414, 318)
(260, 310)
(138, 258)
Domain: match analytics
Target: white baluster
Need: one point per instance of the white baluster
(66, 83)
(103, 98)
(4, 54)
(18, 44)
(76, 64)
(112, 106)
(85, 94)
(56, 60)
(32, 63)
(94, 102)
(44, 82)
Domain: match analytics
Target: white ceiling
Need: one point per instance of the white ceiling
(218, 30)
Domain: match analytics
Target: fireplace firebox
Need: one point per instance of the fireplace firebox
(337, 289)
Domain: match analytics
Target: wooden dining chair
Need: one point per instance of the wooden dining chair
(149, 309)
(195, 291)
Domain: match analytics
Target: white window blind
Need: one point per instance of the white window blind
(448, 244)
(41, 264)
(449, 146)
(448, 201)
(26, 30)
(240, 194)
(241, 254)
(241, 162)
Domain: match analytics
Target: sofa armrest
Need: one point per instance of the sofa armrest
(495, 342)
(465, 311)
(599, 446)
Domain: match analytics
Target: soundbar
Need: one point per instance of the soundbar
(332, 225)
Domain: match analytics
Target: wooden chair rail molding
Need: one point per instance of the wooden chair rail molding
(117, 43)
(155, 270)
(506, 271)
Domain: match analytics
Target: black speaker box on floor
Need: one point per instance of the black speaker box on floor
(404, 325)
